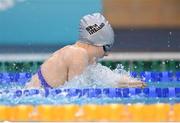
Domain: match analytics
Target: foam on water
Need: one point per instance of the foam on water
(97, 75)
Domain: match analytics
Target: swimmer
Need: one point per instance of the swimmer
(96, 38)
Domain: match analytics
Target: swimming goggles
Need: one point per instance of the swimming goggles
(107, 48)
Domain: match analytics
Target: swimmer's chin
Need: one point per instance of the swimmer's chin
(106, 54)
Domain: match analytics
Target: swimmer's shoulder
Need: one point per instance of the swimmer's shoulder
(72, 51)
(62, 51)
(77, 54)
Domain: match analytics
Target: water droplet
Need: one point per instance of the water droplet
(163, 63)
(170, 33)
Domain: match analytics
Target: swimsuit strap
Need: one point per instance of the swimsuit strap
(42, 80)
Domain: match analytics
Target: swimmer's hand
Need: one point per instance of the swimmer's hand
(135, 84)
(127, 81)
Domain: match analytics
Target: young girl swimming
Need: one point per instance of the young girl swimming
(95, 41)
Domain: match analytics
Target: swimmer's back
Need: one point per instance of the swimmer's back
(63, 65)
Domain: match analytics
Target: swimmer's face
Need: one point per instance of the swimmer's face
(102, 52)
(106, 53)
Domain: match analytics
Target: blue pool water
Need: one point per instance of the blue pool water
(99, 88)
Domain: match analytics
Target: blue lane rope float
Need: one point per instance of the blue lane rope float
(14, 78)
(97, 92)
(178, 76)
(147, 76)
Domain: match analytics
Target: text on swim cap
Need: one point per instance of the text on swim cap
(94, 28)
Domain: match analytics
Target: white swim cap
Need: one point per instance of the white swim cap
(95, 30)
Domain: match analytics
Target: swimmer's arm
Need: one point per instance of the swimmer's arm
(33, 83)
(127, 81)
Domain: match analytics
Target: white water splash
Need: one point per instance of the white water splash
(98, 76)
(7, 4)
